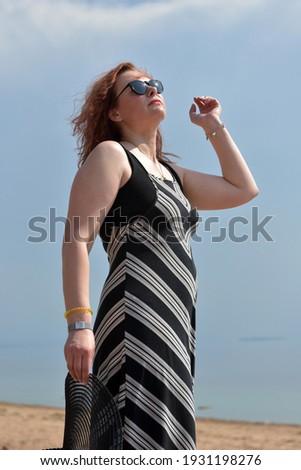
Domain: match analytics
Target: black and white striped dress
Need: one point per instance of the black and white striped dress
(145, 326)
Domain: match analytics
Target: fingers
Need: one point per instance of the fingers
(76, 368)
(200, 100)
(85, 369)
(79, 351)
(204, 99)
(192, 110)
(206, 102)
(79, 367)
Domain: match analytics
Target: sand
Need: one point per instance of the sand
(36, 427)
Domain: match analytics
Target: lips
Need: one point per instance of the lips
(156, 101)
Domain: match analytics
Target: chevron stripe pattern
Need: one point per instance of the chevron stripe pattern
(145, 327)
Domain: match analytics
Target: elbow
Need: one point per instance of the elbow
(250, 193)
(75, 247)
(254, 192)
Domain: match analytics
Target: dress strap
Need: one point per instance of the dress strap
(173, 172)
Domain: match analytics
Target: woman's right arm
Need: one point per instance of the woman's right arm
(92, 194)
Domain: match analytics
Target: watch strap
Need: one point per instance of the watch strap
(79, 325)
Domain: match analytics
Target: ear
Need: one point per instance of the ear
(115, 115)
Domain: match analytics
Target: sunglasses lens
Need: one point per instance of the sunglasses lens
(157, 84)
(140, 87)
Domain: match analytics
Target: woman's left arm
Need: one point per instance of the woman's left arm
(236, 186)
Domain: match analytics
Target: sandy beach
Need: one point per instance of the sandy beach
(36, 427)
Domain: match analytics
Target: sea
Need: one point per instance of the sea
(34, 374)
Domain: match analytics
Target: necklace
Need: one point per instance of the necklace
(155, 162)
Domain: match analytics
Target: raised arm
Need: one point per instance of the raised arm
(92, 194)
(236, 186)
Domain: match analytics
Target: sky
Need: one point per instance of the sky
(248, 258)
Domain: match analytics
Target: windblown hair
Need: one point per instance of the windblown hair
(92, 125)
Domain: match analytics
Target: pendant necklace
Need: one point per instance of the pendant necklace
(155, 162)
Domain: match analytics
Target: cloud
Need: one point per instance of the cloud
(31, 29)
(57, 22)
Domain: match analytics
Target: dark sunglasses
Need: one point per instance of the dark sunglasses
(140, 87)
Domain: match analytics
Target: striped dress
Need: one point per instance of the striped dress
(145, 326)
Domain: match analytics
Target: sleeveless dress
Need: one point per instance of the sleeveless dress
(145, 326)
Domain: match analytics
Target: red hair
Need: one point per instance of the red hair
(92, 125)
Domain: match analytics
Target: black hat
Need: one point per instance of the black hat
(92, 419)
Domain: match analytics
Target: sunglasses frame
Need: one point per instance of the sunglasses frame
(150, 83)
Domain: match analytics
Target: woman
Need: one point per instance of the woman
(144, 208)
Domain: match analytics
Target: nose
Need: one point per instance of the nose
(151, 90)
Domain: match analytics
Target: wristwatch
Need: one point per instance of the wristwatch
(79, 325)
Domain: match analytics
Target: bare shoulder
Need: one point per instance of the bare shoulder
(98, 180)
(108, 153)
(108, 158)
(97, 183)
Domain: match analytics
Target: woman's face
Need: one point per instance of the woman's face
(138, 110)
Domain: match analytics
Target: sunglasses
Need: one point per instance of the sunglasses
(140, 88)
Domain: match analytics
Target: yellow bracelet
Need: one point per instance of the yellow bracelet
(75, 309)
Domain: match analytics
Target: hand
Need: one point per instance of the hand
(79, 351)
(209, 112)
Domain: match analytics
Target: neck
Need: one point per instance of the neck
(145, 143)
